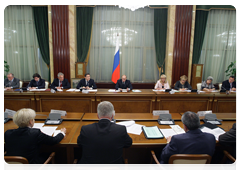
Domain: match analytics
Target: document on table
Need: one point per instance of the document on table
(216, 131)
(37, 90)
(163, 90)
(164, 122)
(168, 132)
(92, 90)
(56, 132)
(48, 130)
(38, 125)
(177, 129)
(113, 90)
(126, 123)
(71, 90)
(135, 129)
(59, 90)
(152, 132)
(136, 91)
(215, 91)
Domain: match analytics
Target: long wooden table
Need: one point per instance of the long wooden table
(131, 102)
(74, 121)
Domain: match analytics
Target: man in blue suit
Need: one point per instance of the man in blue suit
(87, 83)
(194, 141)
(37, 82)
(123, 84)
(60, 82)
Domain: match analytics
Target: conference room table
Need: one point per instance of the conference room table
(139, 151)
(124, 102)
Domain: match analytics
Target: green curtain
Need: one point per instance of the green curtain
(160, 35)
(200, 27)
(41, 25)
(84, 28)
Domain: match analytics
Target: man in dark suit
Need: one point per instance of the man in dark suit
(87, 83)
(26, 141)
(194, 141)
(37, 82)
(11, 82)
(123, 84)
(103, 142)
(229, 84)
(60, 82)
(228, 139)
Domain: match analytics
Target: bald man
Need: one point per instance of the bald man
(123, 84)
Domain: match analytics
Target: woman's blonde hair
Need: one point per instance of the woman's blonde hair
(183, 77)
(23, 117)
(163, 76)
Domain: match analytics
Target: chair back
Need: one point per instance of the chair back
(20, 84)
(97, 168)
(220, 86)
(15, 160)
(190, 159)
(199, 86)
(46, 84)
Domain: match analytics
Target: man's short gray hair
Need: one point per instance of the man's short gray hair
(23, 117)
(60, 74)
(191, 120)
(11, 74)
(105, 109)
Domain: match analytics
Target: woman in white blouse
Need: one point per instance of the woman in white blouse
(162, 83)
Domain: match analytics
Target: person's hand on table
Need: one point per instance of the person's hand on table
(59, 87)
(169, 139)
(8, 88)
(128, 89)
(87, 88)
(233, 89)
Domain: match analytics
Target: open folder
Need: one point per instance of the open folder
(152, 132)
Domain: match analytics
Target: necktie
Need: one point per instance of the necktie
(87, 83)
(37, 83)
(60, 84)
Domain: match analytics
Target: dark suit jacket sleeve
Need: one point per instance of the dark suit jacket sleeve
(30, 84)
(79, 84)
(130, 85)
(228, 138)
(79, 140)
(118, 85)
(54, 84)
(189, 86)
(225, 85)
(16, 83)
(176, 85)
(234, 84)
(128, 140)
(49, 140)
(41, 84)
(169, 150)
(94, 85)
(67, 86)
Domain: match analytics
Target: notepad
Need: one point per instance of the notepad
(168, 132)
(152, 132)
(48, 130)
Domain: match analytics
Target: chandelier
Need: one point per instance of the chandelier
(132, 7)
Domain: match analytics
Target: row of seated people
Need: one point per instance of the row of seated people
(88, 83)
(103, 142)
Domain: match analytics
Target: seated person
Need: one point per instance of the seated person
(87, 83)
(182, 84)
(162, 83)
(37, 82)
(11, 82)
(207, 85)
(103, 142)
(26, 141)
(123, 84)
(60, 82)
(194, 141)
(228, 139)
(229, 84)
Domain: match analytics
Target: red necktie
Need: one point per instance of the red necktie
(60, 84)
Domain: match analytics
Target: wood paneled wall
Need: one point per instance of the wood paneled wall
(60, 40)
(183, 24)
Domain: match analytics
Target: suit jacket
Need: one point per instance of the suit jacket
(226, 85)
(40, 85)
(103, 143)
(178, 85)
(229, 139)
(65, 84)
(14, 84)
(82, 83)
(123, 86)
(26, 142)
(191, 142)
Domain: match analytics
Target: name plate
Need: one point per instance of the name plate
(203, 113)
(62, 112)
(158, 112)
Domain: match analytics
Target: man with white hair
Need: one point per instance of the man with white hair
(60, 82)
(103, 142)
(26, 141)
(11, 82)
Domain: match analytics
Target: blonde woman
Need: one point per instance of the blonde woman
(182, 84)
(26, 141)
(162, 83)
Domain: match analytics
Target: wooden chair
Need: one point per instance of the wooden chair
(98, 168)
(20, 84)
(46, 84)
(186, 158)
(22, 160)
(229, 156)
(199, 86)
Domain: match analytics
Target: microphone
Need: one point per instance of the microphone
(227, 91)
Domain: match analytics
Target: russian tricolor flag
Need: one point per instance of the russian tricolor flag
(116, 64)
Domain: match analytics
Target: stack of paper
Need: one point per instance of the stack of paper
(215, 91)
(37, 90)
(38, 125)
(216, 131)
(92, 90)
(175, 129)
(136, 91)
(158, 90)
(59, 90)
(71, 90)
(48, 130)
(113, 90)
(132, 127)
